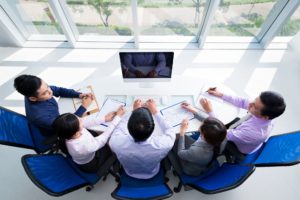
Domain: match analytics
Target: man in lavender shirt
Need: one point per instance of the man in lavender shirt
(249, 135)
(133, 63)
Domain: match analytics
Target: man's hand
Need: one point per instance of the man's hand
(152, 74)
(151, 105)
(189, 108)
(206, 104)
(137, 104)
(110, 116)
(86, 95)
(214, 92)
(86, 102)
(139, 74)
(183, 127)
(121, 111)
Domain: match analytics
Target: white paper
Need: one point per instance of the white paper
(223, 110)
(175, 114)
(110, 105)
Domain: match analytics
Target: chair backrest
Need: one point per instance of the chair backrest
(15, 130)
(132, 188)
(55, 175)
(226, 177)
(280, 150)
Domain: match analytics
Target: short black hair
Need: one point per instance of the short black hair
(28, 85)
(274, 104)
(141, 124)
(66, 125)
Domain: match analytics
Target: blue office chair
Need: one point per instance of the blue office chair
(150, 189)
(15, 130)
(279, 150)
(226, 177)
(57, 175)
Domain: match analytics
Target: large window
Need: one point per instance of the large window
(292, 26)
(146, 23)
(170, 17)
(33, 17)
(240, 17)
(101, 17)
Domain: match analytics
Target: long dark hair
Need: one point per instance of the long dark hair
(214, 133)
(65, 126)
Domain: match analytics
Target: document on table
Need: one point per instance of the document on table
(109, 105)
(175, 114)
(93, 108)
(222, 109)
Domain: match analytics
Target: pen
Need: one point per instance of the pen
(213, 88)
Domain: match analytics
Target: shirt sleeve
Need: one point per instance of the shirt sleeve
(64, 92)
(99, 141)
(237, 101)
(183, 153)
(167, 139)
(80, 111)
(92, 120)
(119, 133)
(161, 62)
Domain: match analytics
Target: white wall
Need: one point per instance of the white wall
(295, 45)
(5, 38)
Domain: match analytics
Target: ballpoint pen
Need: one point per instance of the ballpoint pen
(212, 88)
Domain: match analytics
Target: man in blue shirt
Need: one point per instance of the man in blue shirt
(134, 62)
(40, 106)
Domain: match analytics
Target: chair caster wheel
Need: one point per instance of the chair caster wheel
(176, 189)
(104, 178)
(88, 188)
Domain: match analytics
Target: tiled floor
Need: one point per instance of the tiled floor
(245, 72)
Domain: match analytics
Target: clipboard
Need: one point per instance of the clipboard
(174, 114)
(109, 105)
(93, 108)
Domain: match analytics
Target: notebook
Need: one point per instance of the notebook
(174, 114)
(109, 105)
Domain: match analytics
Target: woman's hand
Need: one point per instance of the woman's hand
(188, 107)
(183, 127)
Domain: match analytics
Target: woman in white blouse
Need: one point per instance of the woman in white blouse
(87, 151)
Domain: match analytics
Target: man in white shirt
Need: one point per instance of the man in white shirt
(138, 150)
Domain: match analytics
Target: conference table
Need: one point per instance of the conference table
(165, 93)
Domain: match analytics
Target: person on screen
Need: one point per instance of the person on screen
(138, 149)
(195, 156)
(87, 149)
(249, 133)
(40, 106)
(134, 62)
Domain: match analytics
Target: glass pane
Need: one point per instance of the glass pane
(240, 17)
(101, 17)
(170, 17)
(292, 26)
(36, 16)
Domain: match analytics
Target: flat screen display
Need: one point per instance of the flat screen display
(146, 64)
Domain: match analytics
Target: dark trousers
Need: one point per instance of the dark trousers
(232, 153)
(101, 163)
